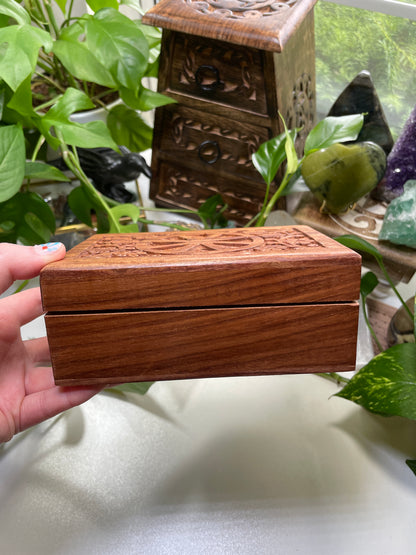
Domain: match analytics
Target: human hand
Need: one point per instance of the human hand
(28, 394)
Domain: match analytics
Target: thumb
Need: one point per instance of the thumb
(21, 262)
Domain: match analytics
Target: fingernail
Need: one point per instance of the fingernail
(48, 248)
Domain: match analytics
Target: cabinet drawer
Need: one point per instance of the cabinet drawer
(204, 140)
(217, 71)
(175, 185)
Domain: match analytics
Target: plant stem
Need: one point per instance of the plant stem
(370, 327)
(388, 278)
(334, 377)
(21, 286)
(51, 82)
(72, 161)
(51, 16)
(164, 224)
(270, 205)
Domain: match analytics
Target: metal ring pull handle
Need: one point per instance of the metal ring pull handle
(208, 78)
(209, 152)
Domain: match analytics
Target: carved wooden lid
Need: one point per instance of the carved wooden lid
(262, 24)
(207, 268)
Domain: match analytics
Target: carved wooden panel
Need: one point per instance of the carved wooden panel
(218, 71)
(223, 267)
(203, 140)
(185, 187)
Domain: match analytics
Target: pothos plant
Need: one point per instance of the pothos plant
(386, 385)
(50, 70)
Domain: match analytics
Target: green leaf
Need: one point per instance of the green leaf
(211, 212)
(87, 135)
(126, 211)
(14, 10)
(21, 101)
(81, 62)
(73, 100)
(269, 157)
(20, 57)
(387, 384)
(81, 206)
(369, 282)
(412, 465)
(140, 387)
(12, 160)
(27, 218)
(119, 44)
(359, 244)
(135, 4)
(96, 5)
(291, 156)
(128, 129)
(61, 4)
(40, 170)
(145, 100)
(333, 130)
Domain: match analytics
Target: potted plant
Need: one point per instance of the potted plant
(48, 72)
(386, 385)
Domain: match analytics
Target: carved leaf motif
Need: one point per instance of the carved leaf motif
(242, 9)
(197, 54)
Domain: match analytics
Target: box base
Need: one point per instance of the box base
(152, 345)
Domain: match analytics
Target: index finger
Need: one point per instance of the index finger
(21, 262)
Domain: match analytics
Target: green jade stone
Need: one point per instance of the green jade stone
(341, 174)
(399, 223)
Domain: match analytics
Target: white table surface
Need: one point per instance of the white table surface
(258, 465)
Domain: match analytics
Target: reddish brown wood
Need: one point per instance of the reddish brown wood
(230, 78)
(222, 267)
(148, 306)
(202, 343)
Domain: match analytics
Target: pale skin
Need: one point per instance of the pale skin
(28, 394)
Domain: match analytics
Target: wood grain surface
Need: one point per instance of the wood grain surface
(267, 25)
(194, 304)
(224, 267)
(229, 100)
(200, 343)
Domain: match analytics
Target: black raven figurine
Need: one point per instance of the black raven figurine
(109, 170)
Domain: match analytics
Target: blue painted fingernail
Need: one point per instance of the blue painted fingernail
(48, 248)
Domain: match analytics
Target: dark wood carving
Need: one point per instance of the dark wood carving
(230, 81)
(263, 24)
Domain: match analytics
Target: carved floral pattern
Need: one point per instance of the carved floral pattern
(236, 150)
(241, 9)
(200, 243)
(195, 52)
(182, 189)
(301, 113)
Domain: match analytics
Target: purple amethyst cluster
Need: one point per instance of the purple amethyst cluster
(401, 162)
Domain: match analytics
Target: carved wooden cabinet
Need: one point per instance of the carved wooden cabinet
(232, 66)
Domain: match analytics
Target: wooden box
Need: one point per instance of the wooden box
(228, 302)
(231, 67)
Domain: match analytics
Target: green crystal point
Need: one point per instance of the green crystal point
(341, 174)
(399, 223)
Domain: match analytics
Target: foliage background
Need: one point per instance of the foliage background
(349, 40)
